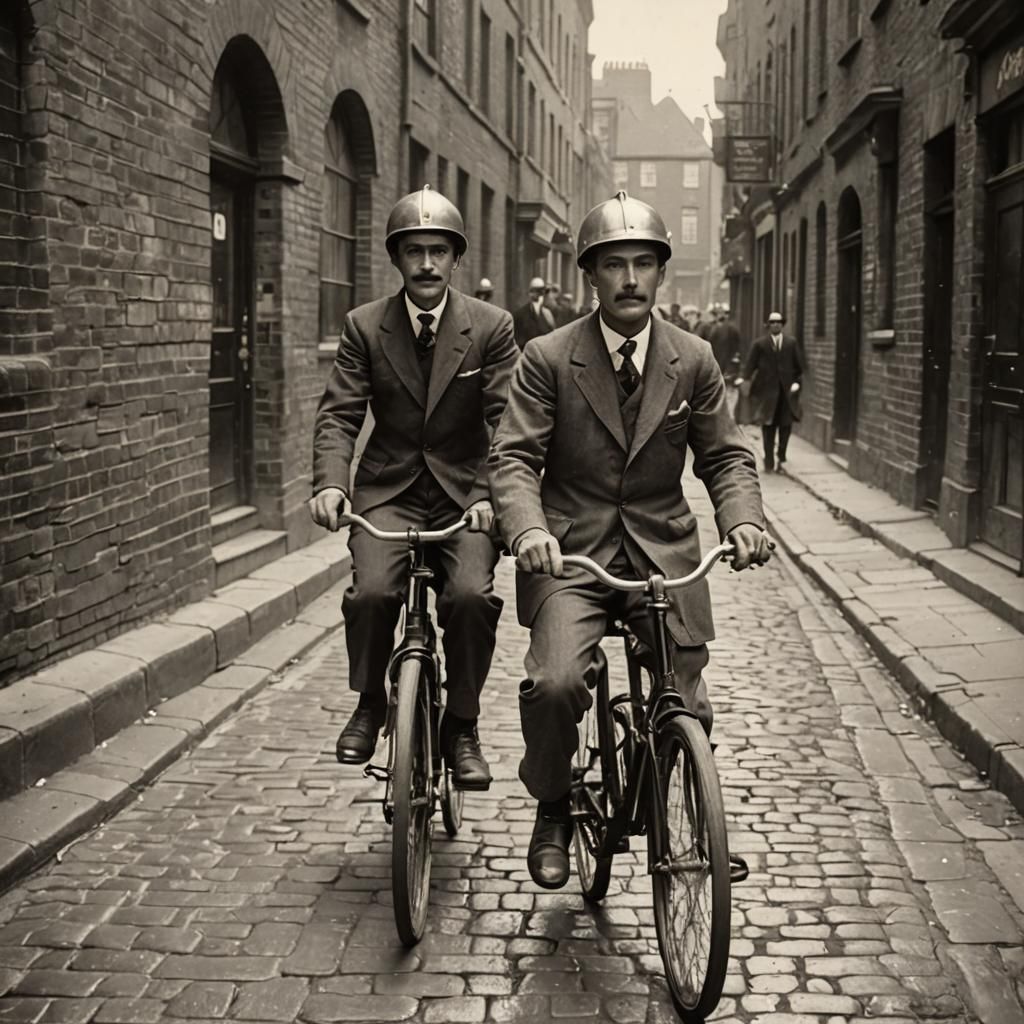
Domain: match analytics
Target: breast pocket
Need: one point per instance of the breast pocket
(676, 425)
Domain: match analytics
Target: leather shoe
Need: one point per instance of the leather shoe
(548, 858)
(461, 747)
(358, 740)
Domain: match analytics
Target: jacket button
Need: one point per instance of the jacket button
(622, 504)
(427, 448)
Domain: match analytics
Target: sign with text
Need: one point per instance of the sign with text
(1002, 73)
(748, 158)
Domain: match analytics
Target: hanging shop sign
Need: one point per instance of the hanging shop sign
(1002, 73)
(748, 159)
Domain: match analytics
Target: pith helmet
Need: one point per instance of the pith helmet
(621, 219)
(425, 210)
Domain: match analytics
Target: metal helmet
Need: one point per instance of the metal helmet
(621, 219)
(425, 210)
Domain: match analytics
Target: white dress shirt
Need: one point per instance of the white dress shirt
(613, 340)
(414, 312)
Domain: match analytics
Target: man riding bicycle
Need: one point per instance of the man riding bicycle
(433, 365)
(588, 460)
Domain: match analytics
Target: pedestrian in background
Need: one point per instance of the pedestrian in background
(773, 375)
(533, 318)
(484, 290)
(725, 344)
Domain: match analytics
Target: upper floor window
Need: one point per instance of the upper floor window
(691, 174)
(485, 63)
(852, 19)
(423, 25)
(602, 126)
(690, 226)
(620, 174)
(648, 174)
(338, 230)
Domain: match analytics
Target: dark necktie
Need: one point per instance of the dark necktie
(627, 373)
(426, 338)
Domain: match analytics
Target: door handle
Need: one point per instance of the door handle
(990, 340)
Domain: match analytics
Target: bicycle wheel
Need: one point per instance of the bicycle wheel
(595, 759)
(689, 857)
(413, 799)
(451, 803)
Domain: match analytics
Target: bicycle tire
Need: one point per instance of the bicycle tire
(688, 845)
(412, 786)
(452, 800)
(595, 758)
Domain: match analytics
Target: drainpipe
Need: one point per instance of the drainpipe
(404, 124)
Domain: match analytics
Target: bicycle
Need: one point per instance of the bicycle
(416, 777)
(645, 765)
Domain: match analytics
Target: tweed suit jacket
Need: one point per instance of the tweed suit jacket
(560, 461)
(446, 423)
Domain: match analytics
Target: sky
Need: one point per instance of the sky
(675, 37)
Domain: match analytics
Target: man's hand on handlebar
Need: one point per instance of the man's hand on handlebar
(480, 517)
(326, 506)
(752, 544)
(538, 551)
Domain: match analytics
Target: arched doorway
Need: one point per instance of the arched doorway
(848, 320)
(247, 133)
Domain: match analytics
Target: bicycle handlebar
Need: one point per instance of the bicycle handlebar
(403, 535)
(716, 554)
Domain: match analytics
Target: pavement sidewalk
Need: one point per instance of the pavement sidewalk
(947, 622)
(82, 737)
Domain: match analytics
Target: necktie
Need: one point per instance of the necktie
(627, 373)
(426, 338)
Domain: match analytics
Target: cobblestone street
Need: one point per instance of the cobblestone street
(251, 882)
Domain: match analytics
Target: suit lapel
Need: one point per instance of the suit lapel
(453, 342)
(659, 384)
(592, 370)
(397, 341)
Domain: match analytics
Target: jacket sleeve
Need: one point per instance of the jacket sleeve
(722, 459)
(341, 411)
(520, 446)
(750, 367)
(496, 374)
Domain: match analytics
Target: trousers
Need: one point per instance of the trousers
(468, 609)
(554, 697)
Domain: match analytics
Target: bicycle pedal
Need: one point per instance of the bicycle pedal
(622, 846)
(738, 870)
(376, 771)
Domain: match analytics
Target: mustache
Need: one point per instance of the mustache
(426, 277)
(639, 296)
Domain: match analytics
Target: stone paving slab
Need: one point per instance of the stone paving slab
(962, 662)
(81, 726)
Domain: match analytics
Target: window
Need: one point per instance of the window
(690, 226)
(792, 82)
(510, 86)
(820, 242)
(468, 43)
(337, 231)
(462, 195)
(783, 106)
(852, 20)
(691, 174)
(418, 156)
(805, 55)
(551, 145)
(423, 27)
(531, 121)
(561, 155)
(620, 174)
(822, 46)
(602, 126)
(485, 63)
(648, 174)
(543, 128)
(486, 231)
(442, 175)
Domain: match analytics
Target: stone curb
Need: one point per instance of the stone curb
(80, 739)
(942, 697)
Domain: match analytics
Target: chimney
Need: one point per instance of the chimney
(698, 124)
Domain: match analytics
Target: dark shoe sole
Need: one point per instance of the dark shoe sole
(471, 787)
(352, 758)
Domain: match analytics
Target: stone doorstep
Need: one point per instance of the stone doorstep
(55, 718)
(955, 714)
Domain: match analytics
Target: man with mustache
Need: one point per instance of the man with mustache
(587, 460)
(433, 365)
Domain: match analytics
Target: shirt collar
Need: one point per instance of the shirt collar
(613, 340)
(414, 311)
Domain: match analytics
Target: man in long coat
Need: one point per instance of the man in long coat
(587, 460)
(774, 374)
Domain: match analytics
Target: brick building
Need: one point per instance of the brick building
(660, 156)
(874, 194)
(192, 195)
